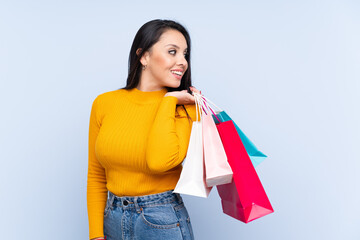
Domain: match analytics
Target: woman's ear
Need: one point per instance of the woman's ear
(144, 57)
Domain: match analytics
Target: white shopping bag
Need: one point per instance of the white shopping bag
(192, 178)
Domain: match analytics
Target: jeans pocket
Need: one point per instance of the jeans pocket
(161, 216)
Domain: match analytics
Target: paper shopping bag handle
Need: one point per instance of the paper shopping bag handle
(202, 101)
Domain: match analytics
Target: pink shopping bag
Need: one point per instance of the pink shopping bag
(217, 168)
(244, 198)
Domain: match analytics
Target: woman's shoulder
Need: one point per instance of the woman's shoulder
(110, 95)
(107, 100)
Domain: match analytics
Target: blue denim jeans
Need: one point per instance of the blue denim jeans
(149, 217)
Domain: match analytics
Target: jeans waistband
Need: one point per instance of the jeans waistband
(145, 200)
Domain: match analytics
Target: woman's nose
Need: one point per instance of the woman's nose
(182, 61)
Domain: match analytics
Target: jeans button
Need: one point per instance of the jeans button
(125, 202)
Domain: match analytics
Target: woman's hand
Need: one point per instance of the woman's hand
(183, 96)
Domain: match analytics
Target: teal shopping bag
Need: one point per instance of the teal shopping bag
(255, 155)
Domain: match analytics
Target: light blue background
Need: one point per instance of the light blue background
(286, 71)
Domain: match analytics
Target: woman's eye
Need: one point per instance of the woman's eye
(185, 54)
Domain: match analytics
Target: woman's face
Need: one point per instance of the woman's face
(165, 57)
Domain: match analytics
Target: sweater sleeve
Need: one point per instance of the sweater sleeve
(96, 178)
(169, 135)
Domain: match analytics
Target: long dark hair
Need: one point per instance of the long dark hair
(145, 38)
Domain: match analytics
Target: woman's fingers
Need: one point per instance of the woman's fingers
(195, 90)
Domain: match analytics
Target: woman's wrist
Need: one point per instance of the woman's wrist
(172, 95)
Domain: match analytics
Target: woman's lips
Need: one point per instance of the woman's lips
(177, 76)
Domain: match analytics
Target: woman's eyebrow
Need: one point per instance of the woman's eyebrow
(176, 46)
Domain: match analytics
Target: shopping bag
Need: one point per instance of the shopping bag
(245, 198)
(217, 168)
(192, 177)
(255, 155)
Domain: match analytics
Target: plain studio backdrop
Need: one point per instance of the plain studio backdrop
(287, 72)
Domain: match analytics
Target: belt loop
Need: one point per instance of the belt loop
(179, 197)
(138, 209)
(112, 197)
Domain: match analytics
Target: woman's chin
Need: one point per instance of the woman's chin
(173, 85)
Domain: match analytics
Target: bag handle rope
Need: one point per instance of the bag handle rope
(203, 103)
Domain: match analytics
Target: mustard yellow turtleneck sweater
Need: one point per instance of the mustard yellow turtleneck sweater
(137, 142)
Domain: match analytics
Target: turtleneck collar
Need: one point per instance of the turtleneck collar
(142, 97)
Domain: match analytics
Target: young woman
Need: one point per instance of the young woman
(138, 138)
